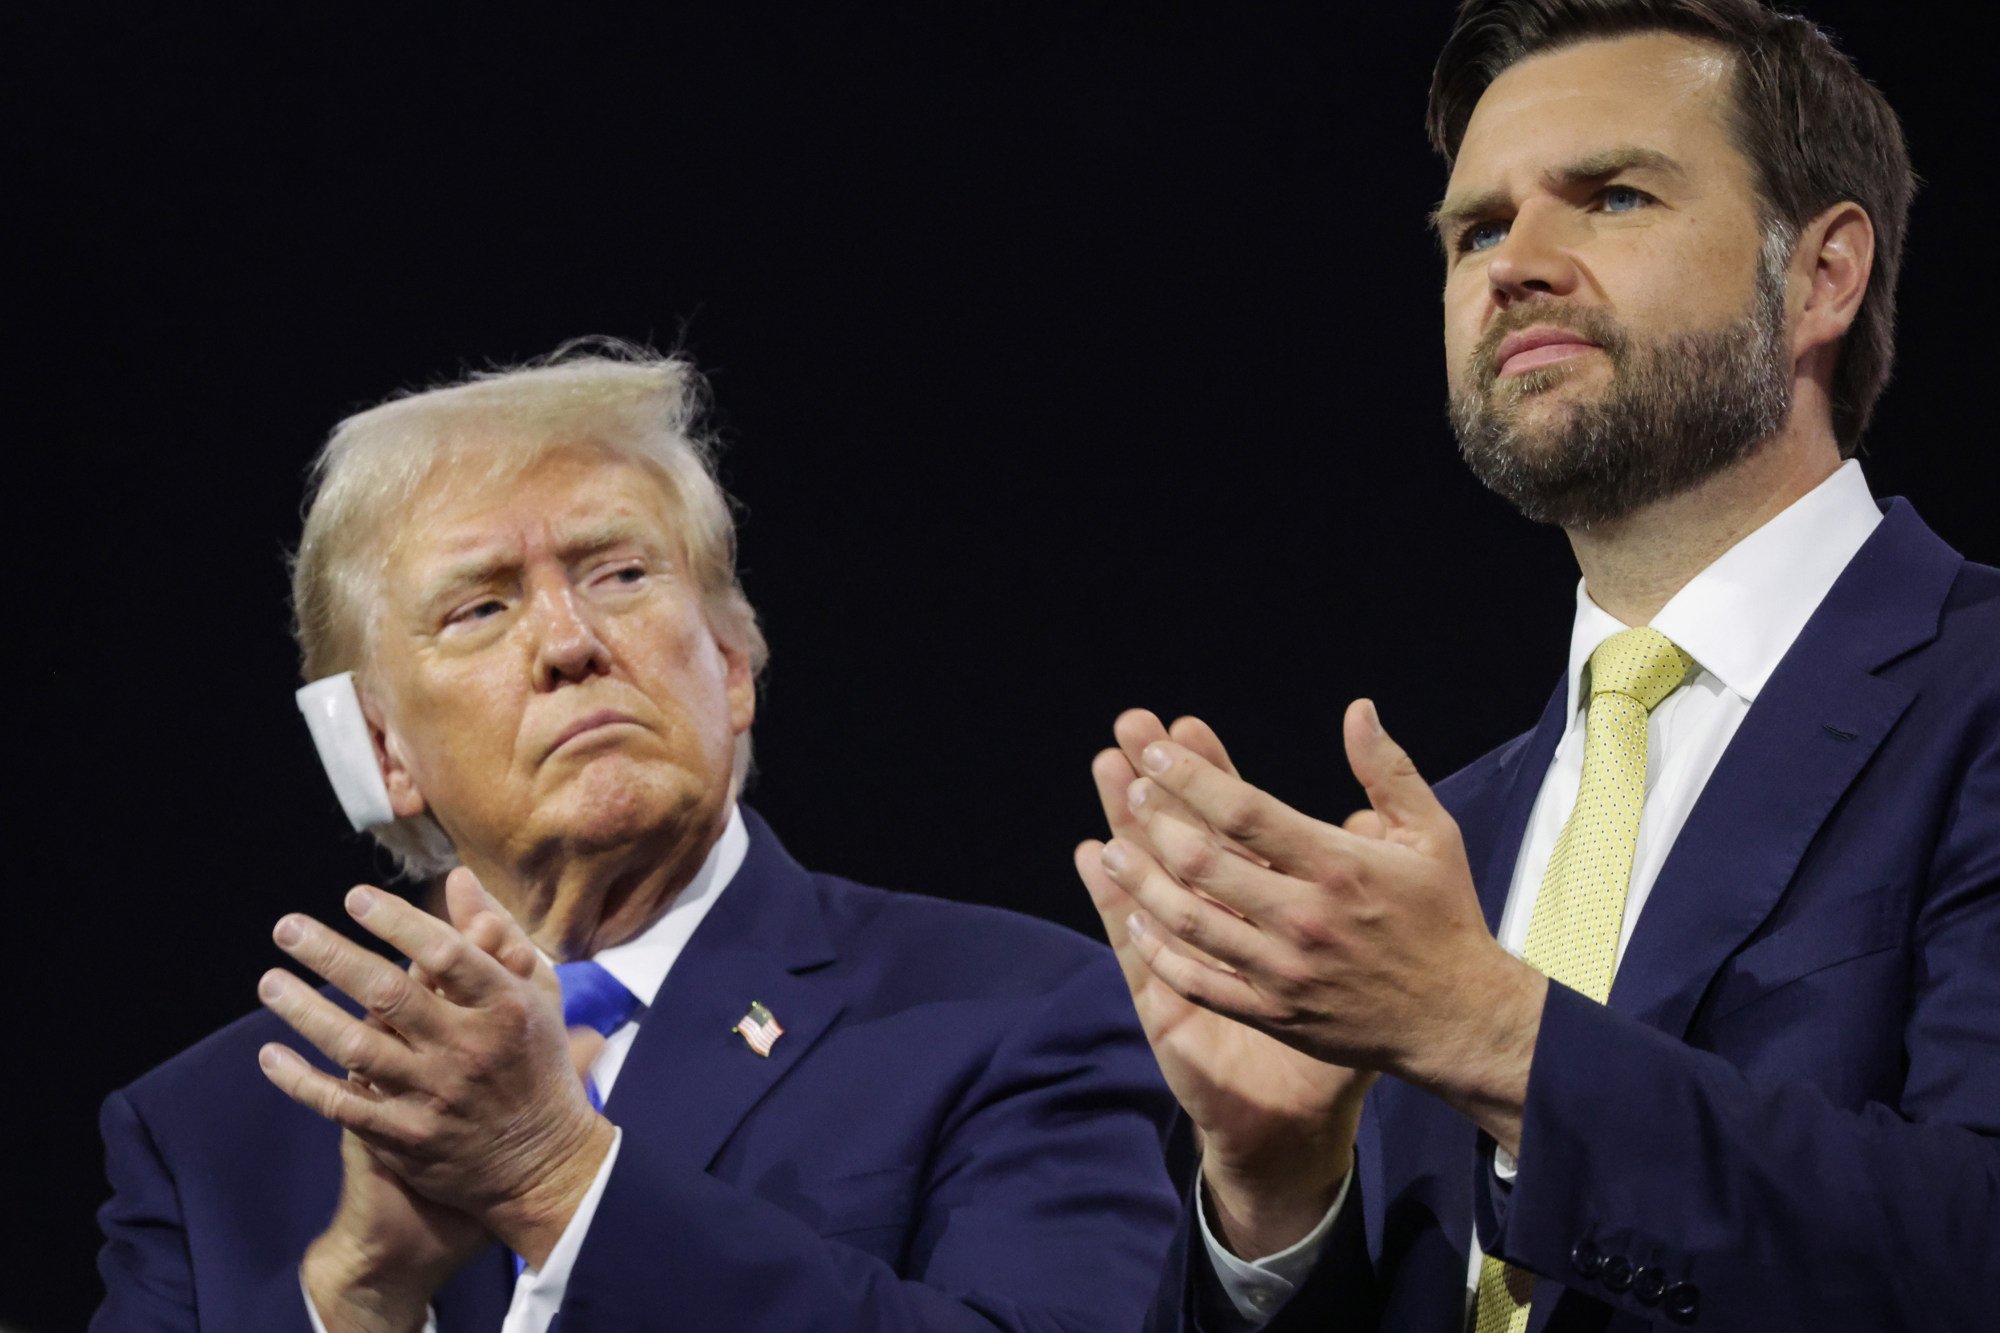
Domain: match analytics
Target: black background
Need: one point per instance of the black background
(1068, 359)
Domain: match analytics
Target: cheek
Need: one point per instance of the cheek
(1464, 306)
(462, 724)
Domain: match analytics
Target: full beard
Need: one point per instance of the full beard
(1678, 411)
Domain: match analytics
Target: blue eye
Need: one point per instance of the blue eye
(1623, 199)
(483, 609)
(1482, 235)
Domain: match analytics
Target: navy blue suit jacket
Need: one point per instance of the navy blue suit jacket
(959, 1129)
(1787, 1116)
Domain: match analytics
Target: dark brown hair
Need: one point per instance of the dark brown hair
(1814, 130)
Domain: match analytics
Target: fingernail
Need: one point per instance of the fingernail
(290, 931)
(1155, 758)
(1114, 858)
(1135, 795)
(1135, 926)
(1374, 719)
(272, 1057)
(270, 988)
(359, 901)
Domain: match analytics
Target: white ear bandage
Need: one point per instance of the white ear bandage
(340, 732)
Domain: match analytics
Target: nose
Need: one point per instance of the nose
(1533, 260)
(569, 648)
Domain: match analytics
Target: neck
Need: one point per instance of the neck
(1632, 566)
(575, 903)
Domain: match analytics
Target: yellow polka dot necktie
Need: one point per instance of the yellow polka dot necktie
(1573, 934)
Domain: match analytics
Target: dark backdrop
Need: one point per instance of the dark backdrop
(1068, 359)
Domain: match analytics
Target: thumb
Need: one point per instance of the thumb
(1395, 788)
(465, 897)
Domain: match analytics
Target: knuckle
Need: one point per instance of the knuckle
(339, 1101)
(350, 1048)
(1307, 928)
(388, 993)
(1184, 918)
(1183, 974)
(1191, 858)
(443, 954)
(517, 956)
(1287, 978)
(1241, 816)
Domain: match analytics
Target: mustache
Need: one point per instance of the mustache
(1587, 322)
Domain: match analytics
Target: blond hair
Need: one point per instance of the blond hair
(634, 404)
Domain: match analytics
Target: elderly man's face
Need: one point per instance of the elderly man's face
(1609, 339)
(552, 688)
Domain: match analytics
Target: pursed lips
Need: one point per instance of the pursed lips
(1540, 346)
(589, 722)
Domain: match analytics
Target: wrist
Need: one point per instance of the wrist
(1260, 1205)
(1479, 1060)
(357, 1291)
(531, 1221)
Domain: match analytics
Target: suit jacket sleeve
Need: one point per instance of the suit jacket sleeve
(1639, 1146)
(1044, 1206)
(147, 1270)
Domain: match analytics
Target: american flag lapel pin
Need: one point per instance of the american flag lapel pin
(759, 1028)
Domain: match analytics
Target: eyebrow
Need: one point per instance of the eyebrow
(481, 564)
(1449, 215)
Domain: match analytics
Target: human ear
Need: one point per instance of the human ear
(741, 685)
(1835, 255)
(404, 797)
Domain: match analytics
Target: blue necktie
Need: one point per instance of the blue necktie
(592, 998)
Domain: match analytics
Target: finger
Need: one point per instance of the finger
(1194, 980)
(460, 972)
(1135, 729)
(1189, 918)
(1198, 736)
(1113, 905)
(402, 1001)
(1213, 867)
(1153, 806)
(346, 1102)
(1395, 788)
(1112, 773)
(1271, 830)
(1366, 824)
(485, 921)
(371, 1051)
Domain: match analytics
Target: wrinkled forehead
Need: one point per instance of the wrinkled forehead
(489, 508)
(1654, 91)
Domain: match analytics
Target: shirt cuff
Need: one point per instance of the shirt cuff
(312, 1311)
(1257, 1287)
(1505, 1165)
(538, 1293)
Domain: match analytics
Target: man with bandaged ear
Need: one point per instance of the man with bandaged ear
(644, 1071)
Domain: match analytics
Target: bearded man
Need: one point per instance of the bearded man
(1683, 1006)
(763, 1099)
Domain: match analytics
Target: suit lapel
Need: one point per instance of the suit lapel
(689, 1077)
(1810, 733)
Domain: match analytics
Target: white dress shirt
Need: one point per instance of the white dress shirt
(1736, 619)
(641, 966)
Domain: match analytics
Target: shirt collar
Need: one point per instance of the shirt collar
(1739, 617)
(641, 964)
